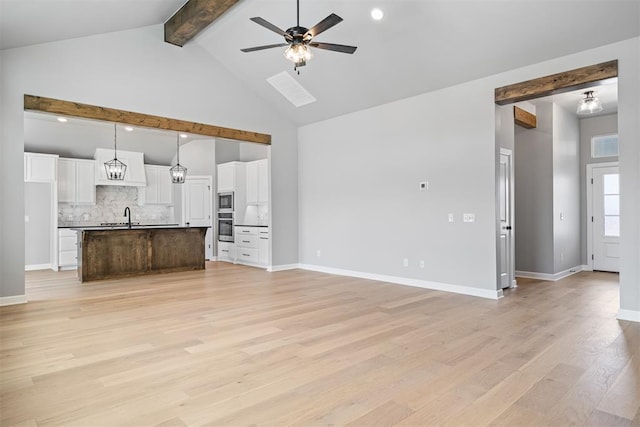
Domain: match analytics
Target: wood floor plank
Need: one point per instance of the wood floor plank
(234, 345)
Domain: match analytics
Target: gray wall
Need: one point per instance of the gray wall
(37, 232)
(566, 190)
(533, 164)
(590, 127)
(227, 151)
(250, 152)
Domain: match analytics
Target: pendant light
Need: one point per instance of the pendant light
(115, 168)
(178, 172)
(590, 104)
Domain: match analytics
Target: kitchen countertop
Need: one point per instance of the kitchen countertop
(135, 227)
(249, 225)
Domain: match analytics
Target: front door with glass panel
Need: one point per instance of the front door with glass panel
(606, 218)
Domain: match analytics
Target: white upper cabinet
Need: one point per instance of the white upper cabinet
(40, 167)
(258, 182)
(159, 190)
(226, 177)
(76, 181)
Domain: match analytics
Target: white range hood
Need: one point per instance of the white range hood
(134, 175)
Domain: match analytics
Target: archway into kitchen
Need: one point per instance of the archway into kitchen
(554, 154)
(70, 142)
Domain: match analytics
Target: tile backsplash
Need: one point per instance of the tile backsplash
(109, 207)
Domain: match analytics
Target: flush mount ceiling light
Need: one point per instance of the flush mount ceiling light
(128, 128)
(590, 104)
(63, 119)
(115, 168)
(377, 14)
(178, 172)
(299, 39)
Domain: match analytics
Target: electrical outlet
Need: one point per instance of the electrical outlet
(421, 263)
(26, 218)
(137, 216)
(450, 217)
(318, 253)
(468, 217)
(69, 217)
(405, 262)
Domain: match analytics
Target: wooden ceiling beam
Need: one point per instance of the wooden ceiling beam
(85, 111)
(557, 83)
(193, 17)
(524, 118)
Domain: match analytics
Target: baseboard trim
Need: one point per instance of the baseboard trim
(33, 267)
(549, 277)
(630, 315)
(283, 267)
(586, 267)
(13, 300)
(436, 286)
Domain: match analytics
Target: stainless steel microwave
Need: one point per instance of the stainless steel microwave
(225, 202)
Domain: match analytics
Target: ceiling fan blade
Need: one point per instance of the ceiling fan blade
(324, 25)
(335, 47)
(269, 46)
(268, 25)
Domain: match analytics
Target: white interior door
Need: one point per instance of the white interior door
(605, 208)
(197, 207)
(507, 267)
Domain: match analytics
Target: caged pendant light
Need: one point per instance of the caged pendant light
(178, 172)
(114, 168)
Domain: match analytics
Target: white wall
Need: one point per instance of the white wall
(358, 178)
(136, 71)
(590, 127)
(566, 190)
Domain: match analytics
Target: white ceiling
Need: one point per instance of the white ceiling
(419, 46)
(27, 22)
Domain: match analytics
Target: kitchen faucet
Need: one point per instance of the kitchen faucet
(127, 210)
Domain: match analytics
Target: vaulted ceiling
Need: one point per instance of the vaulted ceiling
(418, 46)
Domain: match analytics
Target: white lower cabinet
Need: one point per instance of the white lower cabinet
(250, 246)
(67, 249)
(226, 251)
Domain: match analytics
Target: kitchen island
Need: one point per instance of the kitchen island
(113, 252)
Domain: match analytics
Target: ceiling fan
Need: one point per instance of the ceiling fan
(299, 39)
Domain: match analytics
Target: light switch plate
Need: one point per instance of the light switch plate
(469, 217)
(450, 217)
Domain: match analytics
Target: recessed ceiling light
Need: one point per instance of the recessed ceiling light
(128, 128)
(63, 119)
(184, 135)
(377, 14)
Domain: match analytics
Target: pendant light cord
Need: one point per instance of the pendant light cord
(115, 143)
(178, 146)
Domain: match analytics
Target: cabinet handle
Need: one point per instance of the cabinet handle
(264, 238)
(246, 255)
(225, 250)
(246, 241)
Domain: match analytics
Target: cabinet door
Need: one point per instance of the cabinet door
(165, 186)
(263, 181)
(85, 182)
(252, 183)
(40, 167)
(67, 181)
(151, 190)
(263, 249)
(226, 177)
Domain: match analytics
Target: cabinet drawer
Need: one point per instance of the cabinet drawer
(252, 231)
(263, 232)
(248, 255)
(226, 251)
(68, 258)
(246, 241)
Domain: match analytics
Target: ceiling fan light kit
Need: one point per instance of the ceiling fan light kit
(590, 104)
(299, 39)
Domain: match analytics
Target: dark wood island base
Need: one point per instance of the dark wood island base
(107, 253)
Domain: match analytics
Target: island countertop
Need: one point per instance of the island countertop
(133, 227)
(112, 252)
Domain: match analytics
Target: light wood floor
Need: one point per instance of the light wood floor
(234, 345)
